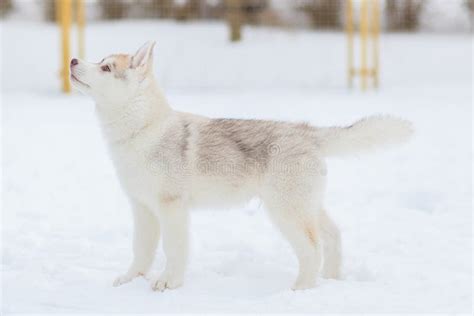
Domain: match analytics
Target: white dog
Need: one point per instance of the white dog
(169, 162)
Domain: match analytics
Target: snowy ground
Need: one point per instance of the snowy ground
(405, 214)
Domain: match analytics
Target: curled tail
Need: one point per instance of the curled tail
(364, 135)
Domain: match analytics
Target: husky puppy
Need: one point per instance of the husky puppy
(169, 162)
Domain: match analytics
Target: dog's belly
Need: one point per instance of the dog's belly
(219, 192)
(215, 193)
(147, 182)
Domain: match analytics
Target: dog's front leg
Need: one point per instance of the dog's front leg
(174, 225)
(145, 240)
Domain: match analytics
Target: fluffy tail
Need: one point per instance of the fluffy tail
(364, 135)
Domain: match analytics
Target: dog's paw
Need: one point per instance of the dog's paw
(165, 282)
(123, 279)
(303, 285)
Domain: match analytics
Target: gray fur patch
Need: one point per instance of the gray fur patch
(245, 139)
(248, 146)
(184, 139)
(170, 153)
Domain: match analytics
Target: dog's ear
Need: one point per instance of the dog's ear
(143, 58)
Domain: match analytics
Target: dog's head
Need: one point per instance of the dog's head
(117, 78)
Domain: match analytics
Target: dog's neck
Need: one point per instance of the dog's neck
(124, 121)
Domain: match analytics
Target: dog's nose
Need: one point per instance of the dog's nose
(74, 62)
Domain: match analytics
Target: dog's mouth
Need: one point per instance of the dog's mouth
(75, 79)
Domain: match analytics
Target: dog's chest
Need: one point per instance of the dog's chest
(136, 174)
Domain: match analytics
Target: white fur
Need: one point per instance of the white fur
(364, 135)
(141, 129)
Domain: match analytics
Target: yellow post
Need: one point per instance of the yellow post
(65, 14)
(364, 30)
(350, 41)
(375, 40)
(81, 21)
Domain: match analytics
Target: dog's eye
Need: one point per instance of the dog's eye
(105, 68)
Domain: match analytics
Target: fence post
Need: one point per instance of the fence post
(364, 30)
(375, 40)
(65, 23)
(81, 21)
(234, 19)
(350, 42)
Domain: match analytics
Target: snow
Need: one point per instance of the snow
(405, 214)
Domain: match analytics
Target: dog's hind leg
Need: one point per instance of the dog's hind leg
(145, 241)
(299, 225)
(331, 239)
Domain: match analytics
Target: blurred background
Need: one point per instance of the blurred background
(399, 15)
(405, 214)
(306, 38)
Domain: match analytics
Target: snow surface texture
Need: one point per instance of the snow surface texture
(405, 214)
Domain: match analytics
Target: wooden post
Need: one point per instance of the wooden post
(65, 22)
(234, 19)
(375, 40)
(350, 42)
(364, 30)
(81, 22)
